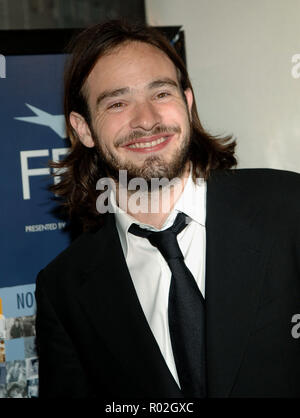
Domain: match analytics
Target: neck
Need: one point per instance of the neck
(153, 207)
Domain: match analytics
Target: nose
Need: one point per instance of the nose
(145, 116)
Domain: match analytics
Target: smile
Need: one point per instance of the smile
(149, 145)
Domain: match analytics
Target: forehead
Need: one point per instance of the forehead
(133, 65)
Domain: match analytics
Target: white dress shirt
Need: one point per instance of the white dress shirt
(150, 272)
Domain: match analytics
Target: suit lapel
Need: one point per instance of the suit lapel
(236, 254)
(109, 298)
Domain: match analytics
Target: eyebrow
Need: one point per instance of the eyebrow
(125, 90)
(111, 93)
(163, 82)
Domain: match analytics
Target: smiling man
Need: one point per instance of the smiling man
(192, 300)
(132, 124)
(140, 119)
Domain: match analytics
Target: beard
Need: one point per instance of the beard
(154, 166)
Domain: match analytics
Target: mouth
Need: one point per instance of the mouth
(148, 144)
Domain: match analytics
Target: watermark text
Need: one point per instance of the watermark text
(295, 71)
(296, 328)
(137, 195)
(2, 66)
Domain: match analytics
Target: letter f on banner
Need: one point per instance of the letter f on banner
(28, 172)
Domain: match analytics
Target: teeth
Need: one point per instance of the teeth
(147, 144)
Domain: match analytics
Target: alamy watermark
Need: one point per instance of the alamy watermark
(295, 331)
(295, 71)
(2, 66)
(137, 195)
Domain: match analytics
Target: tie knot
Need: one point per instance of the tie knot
(165, 241)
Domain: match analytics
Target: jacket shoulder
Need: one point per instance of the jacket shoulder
(78, 257)
(269, 176)
(276, 191)
(260, 179)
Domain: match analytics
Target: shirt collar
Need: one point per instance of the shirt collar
(192, 202)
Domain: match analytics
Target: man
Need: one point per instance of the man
(118, 315)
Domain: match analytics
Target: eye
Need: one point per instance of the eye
(162, 95)
(116, 106)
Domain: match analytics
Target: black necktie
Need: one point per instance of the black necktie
(185, 311)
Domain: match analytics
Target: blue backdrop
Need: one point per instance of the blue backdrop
(32, 133)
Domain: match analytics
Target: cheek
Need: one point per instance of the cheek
(177, 114)
(112, 127)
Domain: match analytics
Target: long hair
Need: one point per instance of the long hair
(83, 167)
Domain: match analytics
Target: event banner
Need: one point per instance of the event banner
(32, 133)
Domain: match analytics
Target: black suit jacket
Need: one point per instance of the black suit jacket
(92, 335)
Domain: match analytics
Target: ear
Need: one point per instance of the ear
(189, 98)
(82, 129)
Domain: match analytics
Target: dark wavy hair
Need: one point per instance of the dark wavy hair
(83, 167)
